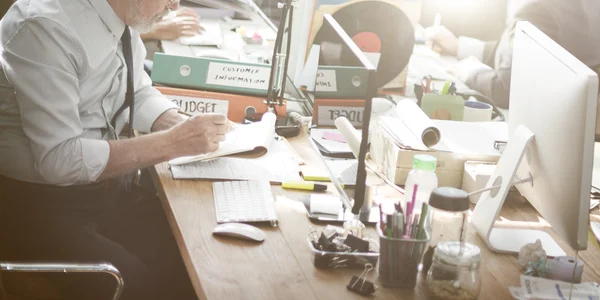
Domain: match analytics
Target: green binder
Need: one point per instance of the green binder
(339, 82)
(211, 74)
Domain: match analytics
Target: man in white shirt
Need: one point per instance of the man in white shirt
(71, 71)
(486, 66)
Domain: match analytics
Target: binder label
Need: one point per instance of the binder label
(328, 114)
(326, 81)
(240, 76)
(197, 106)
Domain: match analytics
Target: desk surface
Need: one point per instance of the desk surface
(281, 267)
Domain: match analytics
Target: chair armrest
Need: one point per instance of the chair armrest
(67, 268)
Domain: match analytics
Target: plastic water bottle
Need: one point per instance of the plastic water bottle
(421, 179)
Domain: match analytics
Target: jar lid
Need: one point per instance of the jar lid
(449, 199)
(424, 162)
(455, 253)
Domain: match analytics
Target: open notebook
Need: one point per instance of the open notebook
(248, 140)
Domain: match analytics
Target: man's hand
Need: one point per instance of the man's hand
(199, 134)
(184, 22)
(442, 40)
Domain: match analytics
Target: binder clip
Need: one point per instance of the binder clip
(356, 243)
(360, 285)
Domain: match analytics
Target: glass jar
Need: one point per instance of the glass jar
(454, 273)
(447, 220)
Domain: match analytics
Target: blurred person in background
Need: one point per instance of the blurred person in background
(486, 66)
(183, 22)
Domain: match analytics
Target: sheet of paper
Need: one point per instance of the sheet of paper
(470, 137)
(333, 136)
(273, 169)
(325, 204)
(547, 289)
(242, 138)
(210, 36)
(331, 146)
(344, 170)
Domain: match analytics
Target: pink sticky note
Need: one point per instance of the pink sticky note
(334, 136)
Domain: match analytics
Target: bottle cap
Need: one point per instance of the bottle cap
(424, 162)
(449, 199)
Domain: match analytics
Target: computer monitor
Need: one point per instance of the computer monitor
(340, 50)
(553, 102)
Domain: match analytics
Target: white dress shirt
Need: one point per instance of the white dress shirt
(63, 78)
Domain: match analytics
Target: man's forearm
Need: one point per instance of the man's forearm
(137, 153)
(147, 36)
(167, 120)
(144, 151)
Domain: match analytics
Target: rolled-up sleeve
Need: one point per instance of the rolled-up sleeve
(41, 63)
(149, 102)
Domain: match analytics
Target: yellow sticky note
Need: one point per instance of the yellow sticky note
(314, 174)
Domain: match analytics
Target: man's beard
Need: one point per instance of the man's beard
(138, 22)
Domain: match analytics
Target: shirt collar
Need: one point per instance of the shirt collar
(109, 17)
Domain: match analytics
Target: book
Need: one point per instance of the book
(244, 140)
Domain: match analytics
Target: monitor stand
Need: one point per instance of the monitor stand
(490, 203)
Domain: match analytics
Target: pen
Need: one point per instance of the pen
(185, 113)
(389, 228)
(304, 185)
(423, 219)
(381, 224)
(437, 20)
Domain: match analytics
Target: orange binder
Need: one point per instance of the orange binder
(327, 110)
(235, 107)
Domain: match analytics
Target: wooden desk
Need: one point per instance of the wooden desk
(281, 267)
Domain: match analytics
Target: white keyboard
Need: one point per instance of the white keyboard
(244, 201)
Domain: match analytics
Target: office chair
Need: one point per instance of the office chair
(61, 268)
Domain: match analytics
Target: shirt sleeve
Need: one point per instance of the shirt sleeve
(149, 102)
(495, 82)
(41, 61)
(468, 46)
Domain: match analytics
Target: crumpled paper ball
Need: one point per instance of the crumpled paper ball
(533, 257)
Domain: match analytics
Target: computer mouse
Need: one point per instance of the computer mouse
(241, 231)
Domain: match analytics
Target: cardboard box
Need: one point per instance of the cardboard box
(396, 162)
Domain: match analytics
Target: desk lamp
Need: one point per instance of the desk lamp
(280, 58)
(338, 35)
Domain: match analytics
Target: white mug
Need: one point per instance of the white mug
(477, 111)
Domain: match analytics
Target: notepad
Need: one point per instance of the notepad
(248, 140)
(278, 165)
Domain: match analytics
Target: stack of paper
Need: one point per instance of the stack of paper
(458, 137)
(546, 289)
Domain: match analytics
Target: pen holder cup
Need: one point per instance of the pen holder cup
(399, 260)
(333, 260)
